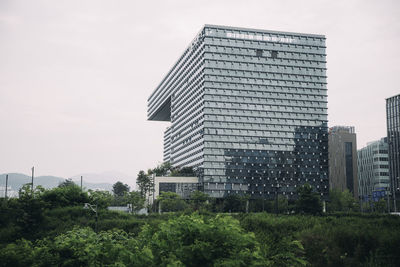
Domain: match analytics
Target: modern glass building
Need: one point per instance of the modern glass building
(373, 168)
(393, 134)
(343, 159)
(248, 110)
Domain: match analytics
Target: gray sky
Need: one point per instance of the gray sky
(75, 75)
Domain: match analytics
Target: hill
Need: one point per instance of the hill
(17, 180)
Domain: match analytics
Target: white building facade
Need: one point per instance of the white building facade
(373, 168)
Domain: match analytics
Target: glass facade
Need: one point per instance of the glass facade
(349, 164)
(393, 134)
(248, 109)
(373, 168)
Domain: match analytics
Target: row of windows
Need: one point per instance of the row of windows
(263, 97)
(259, 91)
(271, 131)
(293, 114)
(317, 61)
(242, 186)
(265, 134)
(260, 75)
(281, 146)
(269, 103)
(265, 35)
(278, 125)
(250, 45)
(265, 82)
(289, 111)
(215, 175)
(313, 88)
(260, 67)
(256, 139)
(259, 123)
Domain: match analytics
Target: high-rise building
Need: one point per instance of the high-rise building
(373, 168)
(393, 134)
(343, 159)
(248, 110)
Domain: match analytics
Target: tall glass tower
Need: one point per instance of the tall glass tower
(393, 134)
(248, 109)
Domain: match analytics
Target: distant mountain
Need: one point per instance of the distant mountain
(17, 180)
(107, 177)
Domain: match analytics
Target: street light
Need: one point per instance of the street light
(94, 209)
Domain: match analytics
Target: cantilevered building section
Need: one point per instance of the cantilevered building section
(248, 109)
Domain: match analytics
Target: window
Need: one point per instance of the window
(259, 53)
(274, 54)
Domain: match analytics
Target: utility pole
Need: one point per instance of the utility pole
(81, 182)
(6, 186)
(33, 171)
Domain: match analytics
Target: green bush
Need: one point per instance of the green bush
(197, 241)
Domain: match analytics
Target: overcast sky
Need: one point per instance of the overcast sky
(75, 75)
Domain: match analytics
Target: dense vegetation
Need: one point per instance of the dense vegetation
(51, 228)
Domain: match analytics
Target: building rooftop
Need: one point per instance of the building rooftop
(342, 129)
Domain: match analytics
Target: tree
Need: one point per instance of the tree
(380, 206)
(67, 182)
(341, 201)
(196, 241)
(25, 191)
(283, 204)
(136, 200)
(308, 201)
(235, 203)
(30, 208)
(185, 171)
(70, 195)
(199, 200)
(161, 170)
(335, 200)
(170, 201)
(349, 202)
(144, 183)
(120, 189)
(102, 199)
(79, 247)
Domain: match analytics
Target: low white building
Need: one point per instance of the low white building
(183, 186)
(373, 168)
